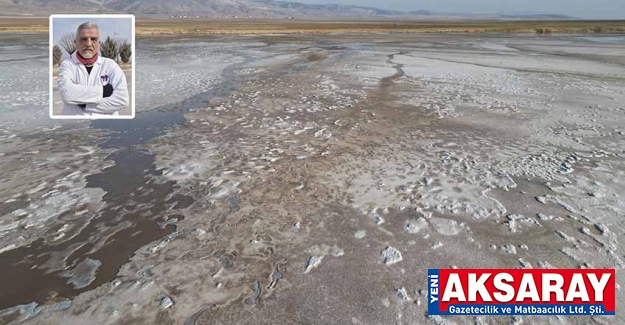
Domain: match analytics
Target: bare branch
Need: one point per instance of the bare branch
(67, 43)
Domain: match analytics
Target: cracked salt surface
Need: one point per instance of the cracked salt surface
(167, 76)
(24, 81)
(312, 263)
(391, 255)
(506, 163)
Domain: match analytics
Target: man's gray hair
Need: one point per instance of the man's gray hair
(87, 25)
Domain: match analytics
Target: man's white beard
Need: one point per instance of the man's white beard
(87, 55)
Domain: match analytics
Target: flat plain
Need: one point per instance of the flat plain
(163, 25)
(311, 179)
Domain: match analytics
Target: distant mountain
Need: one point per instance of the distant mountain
(299, 9)
(229, 8)
(211, 8)
(422, 13)
(523, 15)
(50, 6)
(536, 16)
(204, 8)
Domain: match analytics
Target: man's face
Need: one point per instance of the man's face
(88, 42)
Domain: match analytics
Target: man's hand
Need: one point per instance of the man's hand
(107, 91)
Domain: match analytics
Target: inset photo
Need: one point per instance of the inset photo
(92, 60)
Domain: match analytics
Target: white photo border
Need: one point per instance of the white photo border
(51, 68)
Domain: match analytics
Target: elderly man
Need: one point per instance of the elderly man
(91, 85)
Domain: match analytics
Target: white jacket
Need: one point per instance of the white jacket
(76, 86)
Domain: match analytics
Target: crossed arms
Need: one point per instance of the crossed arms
(93, 96)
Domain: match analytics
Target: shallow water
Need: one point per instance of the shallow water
(127, 184)
(308, 156)
(604, 39)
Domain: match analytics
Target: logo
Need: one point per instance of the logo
(105, 78)
(521, 291)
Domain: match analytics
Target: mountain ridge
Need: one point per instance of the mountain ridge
(235, 9)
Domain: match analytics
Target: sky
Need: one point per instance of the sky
(114, 27)
(586, 9)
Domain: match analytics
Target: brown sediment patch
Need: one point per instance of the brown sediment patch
(315, 57)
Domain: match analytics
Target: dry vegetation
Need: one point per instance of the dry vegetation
(23, 24)
(203, 26)
(167, 26)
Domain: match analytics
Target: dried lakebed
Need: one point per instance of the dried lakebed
(315, 179)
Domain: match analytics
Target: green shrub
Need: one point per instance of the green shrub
(109, 48)
(125, 51)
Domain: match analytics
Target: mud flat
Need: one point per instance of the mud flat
(315, 179)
